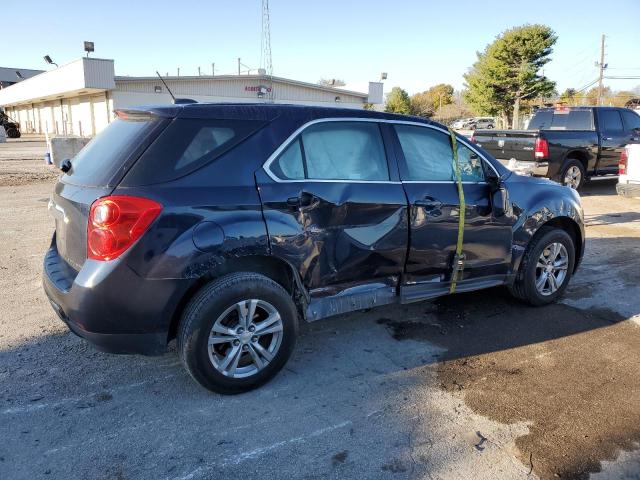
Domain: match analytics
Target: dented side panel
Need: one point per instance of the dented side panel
(354, 233)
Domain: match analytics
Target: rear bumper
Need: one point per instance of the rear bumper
(537, 169)
(111, 306)
(628, 189)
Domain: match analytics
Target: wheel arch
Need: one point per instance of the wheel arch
(270, 266)
(580, 155)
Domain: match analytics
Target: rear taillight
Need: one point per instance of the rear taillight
(541, 150)
(622, 166)
(116, 222)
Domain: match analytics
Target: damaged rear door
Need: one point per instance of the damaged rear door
(336, 213)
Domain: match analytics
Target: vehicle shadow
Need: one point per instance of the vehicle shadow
(358, 383)
(612, 218)
(600, 187)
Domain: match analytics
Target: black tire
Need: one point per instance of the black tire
(204, 309)
(13, 133)
(572, 163)
(524, 286)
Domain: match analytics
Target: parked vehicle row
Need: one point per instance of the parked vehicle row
(566, 144)
(473, 123)
(224, 225)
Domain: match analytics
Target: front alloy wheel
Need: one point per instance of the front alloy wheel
(551, 269)
(546, 268)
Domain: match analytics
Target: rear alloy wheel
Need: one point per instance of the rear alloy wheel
(546, 267)
(237, 332)
(573, 174)
(245, 338)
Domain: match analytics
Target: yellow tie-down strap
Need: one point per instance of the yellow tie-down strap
(459, 258)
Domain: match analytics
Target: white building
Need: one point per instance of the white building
(79, 98)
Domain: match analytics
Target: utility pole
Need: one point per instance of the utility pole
(213, 69)
(602, 66)
(238, 65)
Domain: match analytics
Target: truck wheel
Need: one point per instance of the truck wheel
(546, 268)
(573, 174)
(237, 332)
(13, 133)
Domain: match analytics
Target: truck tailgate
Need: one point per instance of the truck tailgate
(508, 144)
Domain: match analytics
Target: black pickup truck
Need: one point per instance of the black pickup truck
(565, 144)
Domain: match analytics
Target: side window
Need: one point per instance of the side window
(205, 141)
(335, 151)
(470, 165)
(631, 119)
(610, 121)
(427, 153)
(289, 165)
(345, 151)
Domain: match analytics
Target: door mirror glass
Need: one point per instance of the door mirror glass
(500, 201)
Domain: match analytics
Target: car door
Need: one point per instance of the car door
(613, 138)
(631, 125)
(336, 214)
(427, 175)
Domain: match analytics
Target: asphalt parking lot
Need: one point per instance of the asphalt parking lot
(469, 386)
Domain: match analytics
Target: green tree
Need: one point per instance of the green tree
(427, 103)
(508, 71)
(398, 101)
(569, 96)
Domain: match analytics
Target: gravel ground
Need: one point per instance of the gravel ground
(469, 386)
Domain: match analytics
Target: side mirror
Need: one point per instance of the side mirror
(65, 166)
(499, 194)
(492, 179)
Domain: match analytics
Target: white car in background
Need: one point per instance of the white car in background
(629, 172)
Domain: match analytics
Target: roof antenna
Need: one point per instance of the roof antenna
(165, 86)
(176, 101)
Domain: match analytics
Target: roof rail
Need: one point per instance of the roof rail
(183, 101)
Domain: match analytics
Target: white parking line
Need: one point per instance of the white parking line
(258, 452)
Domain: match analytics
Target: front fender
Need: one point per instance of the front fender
(537, 202)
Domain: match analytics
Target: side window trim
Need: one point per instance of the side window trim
(397, 151)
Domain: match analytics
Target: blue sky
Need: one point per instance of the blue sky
(419, 43)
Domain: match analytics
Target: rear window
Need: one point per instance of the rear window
(186, 145)
(562, 120)
(97, 163)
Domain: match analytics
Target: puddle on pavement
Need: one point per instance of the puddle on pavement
(572, 374)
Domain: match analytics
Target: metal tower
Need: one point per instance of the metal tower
(265, 51)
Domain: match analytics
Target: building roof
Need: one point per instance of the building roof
(261, 78)
(8, 74)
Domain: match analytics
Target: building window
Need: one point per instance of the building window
(157, 89)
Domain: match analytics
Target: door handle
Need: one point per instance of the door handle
(607, 138)
(428, 203)
(303, 201)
